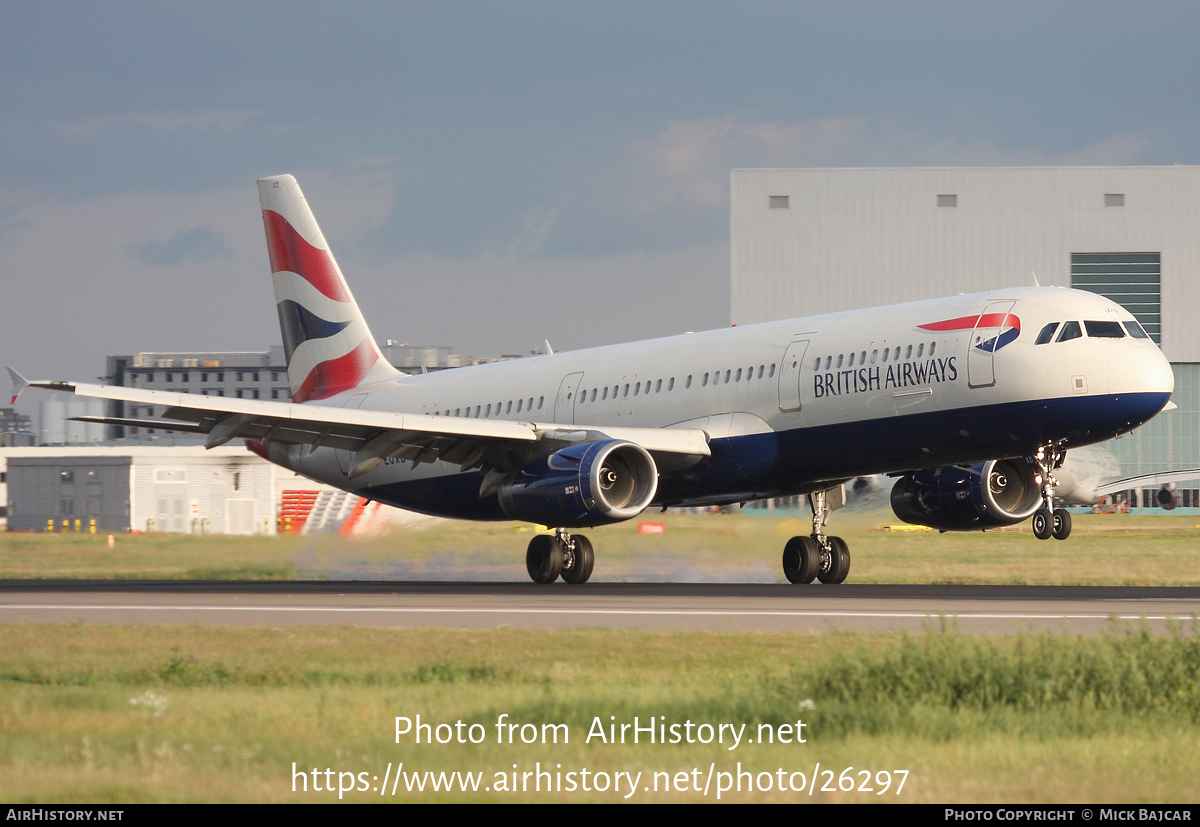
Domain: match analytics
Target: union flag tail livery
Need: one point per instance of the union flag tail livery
(325, 338)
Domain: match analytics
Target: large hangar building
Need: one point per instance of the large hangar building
(811, 241)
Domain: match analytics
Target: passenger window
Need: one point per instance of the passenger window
(705, 382)
(1135, 330)
(874, 356)
(920, 350)
(932, 347)
(488, 412)
(593, 394)
(727, 373)
(851, 360)
(1070, 330)
(761, 368)
(908, 352)
(772, 371)
(658, 386)
(817, 364)
(839, 364)
(739, 376)
(1104, 330)
(456, 411)
(626, 393)
(477, 410)
(604, 393)
(636, 387)
(885, 354)
(1047, 333)
(671, 384)
(520, 402)
(508, 407)
(688, 383)
(541, 399)
(529, 407)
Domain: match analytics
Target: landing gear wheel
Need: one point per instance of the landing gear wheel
(839, 562)
(801, 559)
(1043, 524)
(544, 559)
(581, 561)
(1061, 524)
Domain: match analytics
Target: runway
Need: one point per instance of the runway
(649, 606)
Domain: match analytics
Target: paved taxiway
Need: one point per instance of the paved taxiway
(665, 606)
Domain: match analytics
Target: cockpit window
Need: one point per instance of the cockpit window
(1104, 330)
(1135, 330)
(1070, 330)
(1047, 333)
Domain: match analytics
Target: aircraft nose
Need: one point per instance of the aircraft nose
(1141, 369)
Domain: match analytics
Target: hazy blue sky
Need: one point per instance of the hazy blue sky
(494, 173)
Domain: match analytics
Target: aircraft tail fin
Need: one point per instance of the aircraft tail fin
(325, 337)
(19, 383)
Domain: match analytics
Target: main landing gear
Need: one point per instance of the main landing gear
(1049, 521)
(561, 555)
(817, 557)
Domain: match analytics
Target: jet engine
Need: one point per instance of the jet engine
(969, 497)
(588, 484)
(1165, 498)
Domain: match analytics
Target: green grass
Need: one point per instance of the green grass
(1116, 549)
(221, 715)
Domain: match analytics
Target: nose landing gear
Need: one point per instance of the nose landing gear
(818, 557)
(562, 555)
(1049, 521)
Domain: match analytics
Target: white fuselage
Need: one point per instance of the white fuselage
(787, 405)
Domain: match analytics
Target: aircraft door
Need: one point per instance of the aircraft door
(568, 392)
(790, 368)
(984, 342)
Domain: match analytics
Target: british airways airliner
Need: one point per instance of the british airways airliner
(971, 401)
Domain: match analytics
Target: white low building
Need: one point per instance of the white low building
(182, 489)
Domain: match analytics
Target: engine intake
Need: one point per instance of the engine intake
(589, 484)
(969, 497)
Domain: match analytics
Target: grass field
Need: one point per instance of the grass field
(159, 713)
(127, 714)
(1102, 550)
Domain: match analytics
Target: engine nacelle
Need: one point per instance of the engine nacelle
(969, 497)
(589, 484)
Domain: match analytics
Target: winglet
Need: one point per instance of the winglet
(549, 350)
(20, 383)
(1035, 281)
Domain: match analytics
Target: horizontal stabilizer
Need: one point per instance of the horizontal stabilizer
(148, 424)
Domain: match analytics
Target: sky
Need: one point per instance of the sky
(490, 175)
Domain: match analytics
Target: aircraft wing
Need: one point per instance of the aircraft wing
(372, 436)
(1110, 485)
